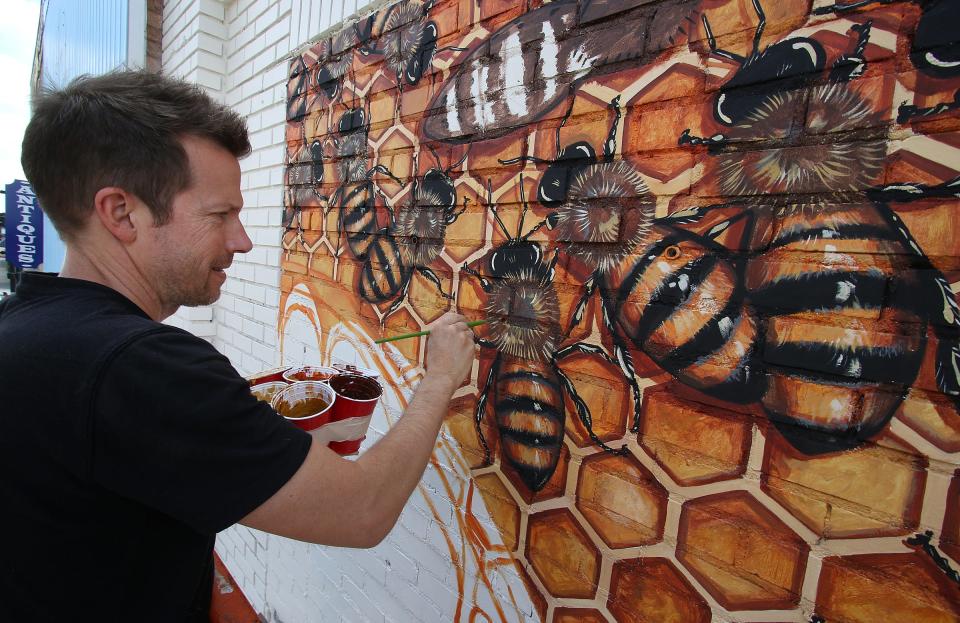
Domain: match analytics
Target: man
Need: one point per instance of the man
(126, 444)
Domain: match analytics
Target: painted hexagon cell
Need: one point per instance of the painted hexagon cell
(562, 555)
(950, 538)
(741, 552)
(870, 491)
(553, 488)
(464, 236)
(577, 615)
(395, 153)
(401, 321)
(695, 443)
(867, 588)
(622, 500)
(601, 386)
(427, 299)
(652, 590)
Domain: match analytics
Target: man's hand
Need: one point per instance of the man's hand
(450, 349)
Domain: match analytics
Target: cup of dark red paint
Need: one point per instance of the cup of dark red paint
(356, 398)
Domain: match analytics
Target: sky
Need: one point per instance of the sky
(18, 36)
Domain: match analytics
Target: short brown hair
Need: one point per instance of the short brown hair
(120, 129)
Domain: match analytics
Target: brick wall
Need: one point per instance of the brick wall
(733, 316)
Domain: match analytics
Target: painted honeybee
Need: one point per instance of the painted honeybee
(800, 311)
(527, 383)
(807, 319)
(525, 69)
(413, 240)
(302, 178)
(934, 49)
(334, 58)
(801, 162)
(605, 211)
(409, 39)
(356, 196)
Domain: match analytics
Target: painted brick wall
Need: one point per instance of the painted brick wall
(776, 386)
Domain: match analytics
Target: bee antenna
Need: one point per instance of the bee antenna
(435, 156)
(523, 202)
(493, 208)
(457, 163)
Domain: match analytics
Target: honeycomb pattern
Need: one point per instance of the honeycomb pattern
(701, 509)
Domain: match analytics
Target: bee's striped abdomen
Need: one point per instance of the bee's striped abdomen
(384, 274)
(530, 418)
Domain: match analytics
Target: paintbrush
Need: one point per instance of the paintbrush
(472, 323)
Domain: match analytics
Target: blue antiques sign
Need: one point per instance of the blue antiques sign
(24, 226)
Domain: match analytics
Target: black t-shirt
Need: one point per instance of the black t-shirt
(125, 446)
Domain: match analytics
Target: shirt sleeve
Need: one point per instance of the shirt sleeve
(175, 427)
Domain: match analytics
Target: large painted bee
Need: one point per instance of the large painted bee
(605, 210)
(801, 169)
(525, 69)
(934, 50)
(412, 241)
(809, 324)
(527, 383)
(797, 310)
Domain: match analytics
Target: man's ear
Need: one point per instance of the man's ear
(114, 207)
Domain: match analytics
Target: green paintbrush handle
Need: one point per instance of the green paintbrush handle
(472, 323)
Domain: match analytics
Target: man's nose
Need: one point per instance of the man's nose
(240, 242)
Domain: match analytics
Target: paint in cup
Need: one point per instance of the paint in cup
(307, 404)
(310, 373)
(357, 397)
(267, 391)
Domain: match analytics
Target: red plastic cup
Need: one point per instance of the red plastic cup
(275, 374)
(308, 405)
(357, 397)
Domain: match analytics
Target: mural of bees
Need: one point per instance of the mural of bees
(934, 49)
(737, 272)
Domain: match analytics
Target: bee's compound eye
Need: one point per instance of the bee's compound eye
(672, 252)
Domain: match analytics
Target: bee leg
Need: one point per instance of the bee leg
(923, 541)
(852, 65)
(626, 365)
(384, 170)
(432, 276)
(909, 111)
(583, 412)
(482, 406)
(589, 287)
(761, 24)
(736, 58)
(622, 361)
(610, 145)
(842, 8)
(483, 281)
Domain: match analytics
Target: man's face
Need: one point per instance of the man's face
(198, 242)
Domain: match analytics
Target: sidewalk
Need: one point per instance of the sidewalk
(229, 605)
